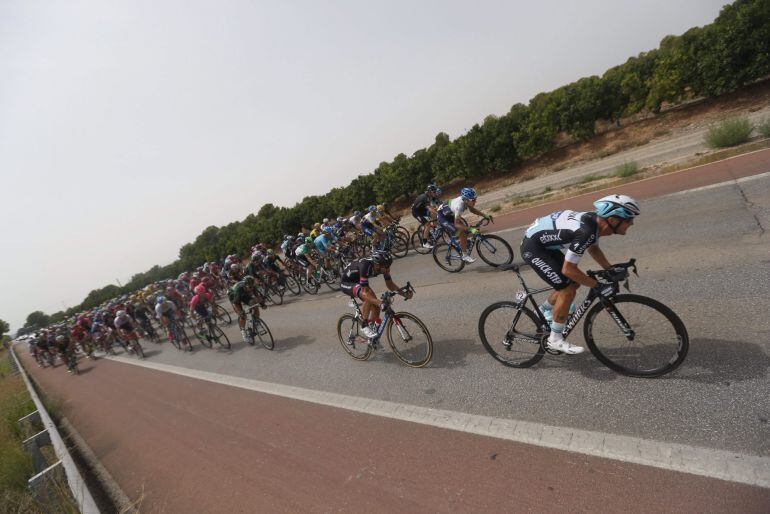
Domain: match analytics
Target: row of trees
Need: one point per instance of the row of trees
(729, 53)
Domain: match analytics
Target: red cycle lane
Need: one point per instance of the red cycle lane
(189, 445)
(708, 174)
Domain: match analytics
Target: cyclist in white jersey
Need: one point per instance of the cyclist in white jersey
(542, 248)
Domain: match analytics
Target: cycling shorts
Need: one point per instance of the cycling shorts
(352, 290)
(367, 228)
(201, 311)
(421, 215)
(447, 222)
(302, 260)
(547, 263)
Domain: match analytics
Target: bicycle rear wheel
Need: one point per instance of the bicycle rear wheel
(262, 332)
(138, 349)
(512, 334)
(349, 333)
(403, 232)
(311, 286)
(494, 250)
(417, 242)
(399, 246)
(410, 339)
(448, 257)
(333, 278)
(658, 345)
(277, 294)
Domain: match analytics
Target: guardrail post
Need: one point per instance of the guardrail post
(65, 468)
(32, 447)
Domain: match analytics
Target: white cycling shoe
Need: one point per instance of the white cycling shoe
(565, 347)
(369, 332)
(468, 259)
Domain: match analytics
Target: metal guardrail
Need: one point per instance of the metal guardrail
(65, 467)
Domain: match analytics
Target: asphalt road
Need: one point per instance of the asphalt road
(704, 253)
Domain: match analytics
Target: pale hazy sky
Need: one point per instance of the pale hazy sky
(127, 127)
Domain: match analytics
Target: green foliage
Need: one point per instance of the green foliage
(729, 53)
(730, 132)
(764, 127)
(496, 207)
(627, 169)
(4, 327)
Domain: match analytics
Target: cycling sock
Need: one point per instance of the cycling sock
(546, 306)
(557, 330)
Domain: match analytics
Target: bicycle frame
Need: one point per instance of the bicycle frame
(381, 329)
(574, 318)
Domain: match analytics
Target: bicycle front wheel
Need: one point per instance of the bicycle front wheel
(641, 338)
(262, 332)
(512, 334)
(219, 336)
(349, 333)
(494, 250)
(448, 257)
(292, 285)
(410, 339)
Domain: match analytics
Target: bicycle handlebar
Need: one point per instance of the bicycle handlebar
(617, 273)
(388, 296)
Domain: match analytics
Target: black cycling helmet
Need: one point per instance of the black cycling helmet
(381, 257)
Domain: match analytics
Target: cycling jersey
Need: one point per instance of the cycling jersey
(323, 241)
(124, 323)
(199, 303)
(302, 250)
(371, 217)
(238, 294)
(547, 236)
(166, 308)
(359, 272)
(575, 230)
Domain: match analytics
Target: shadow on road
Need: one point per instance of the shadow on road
(282, 345)
(452, 353)
(708, 361)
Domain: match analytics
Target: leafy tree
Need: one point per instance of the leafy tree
(37, 319)
(4, 327)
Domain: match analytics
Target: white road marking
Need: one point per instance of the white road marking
(734, 467)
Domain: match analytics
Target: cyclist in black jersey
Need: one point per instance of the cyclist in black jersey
(355, 283)
(578, 232)
(424, 210)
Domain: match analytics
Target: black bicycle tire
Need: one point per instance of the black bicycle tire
(334, 285)
(404, 232)
(417, 242)
(308, 288)
(219, 336)
(670, 315)
(526, 363)
(441, 248)
(398, 254)
(254, 321)
(204, 341)
(276, 293)
(344, 343)
(389, 329)
(138, 350)
(222, 315)
(500, 240)
(293, 290)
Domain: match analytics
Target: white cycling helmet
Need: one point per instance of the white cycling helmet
(620, 206)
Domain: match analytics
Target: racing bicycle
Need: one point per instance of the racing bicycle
(408, 336)
(631, 334)
(210, 333)
(256, 328)
(494, 250)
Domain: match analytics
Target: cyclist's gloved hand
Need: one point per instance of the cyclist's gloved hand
(489, 217)
(604, 290)
(618, 272)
